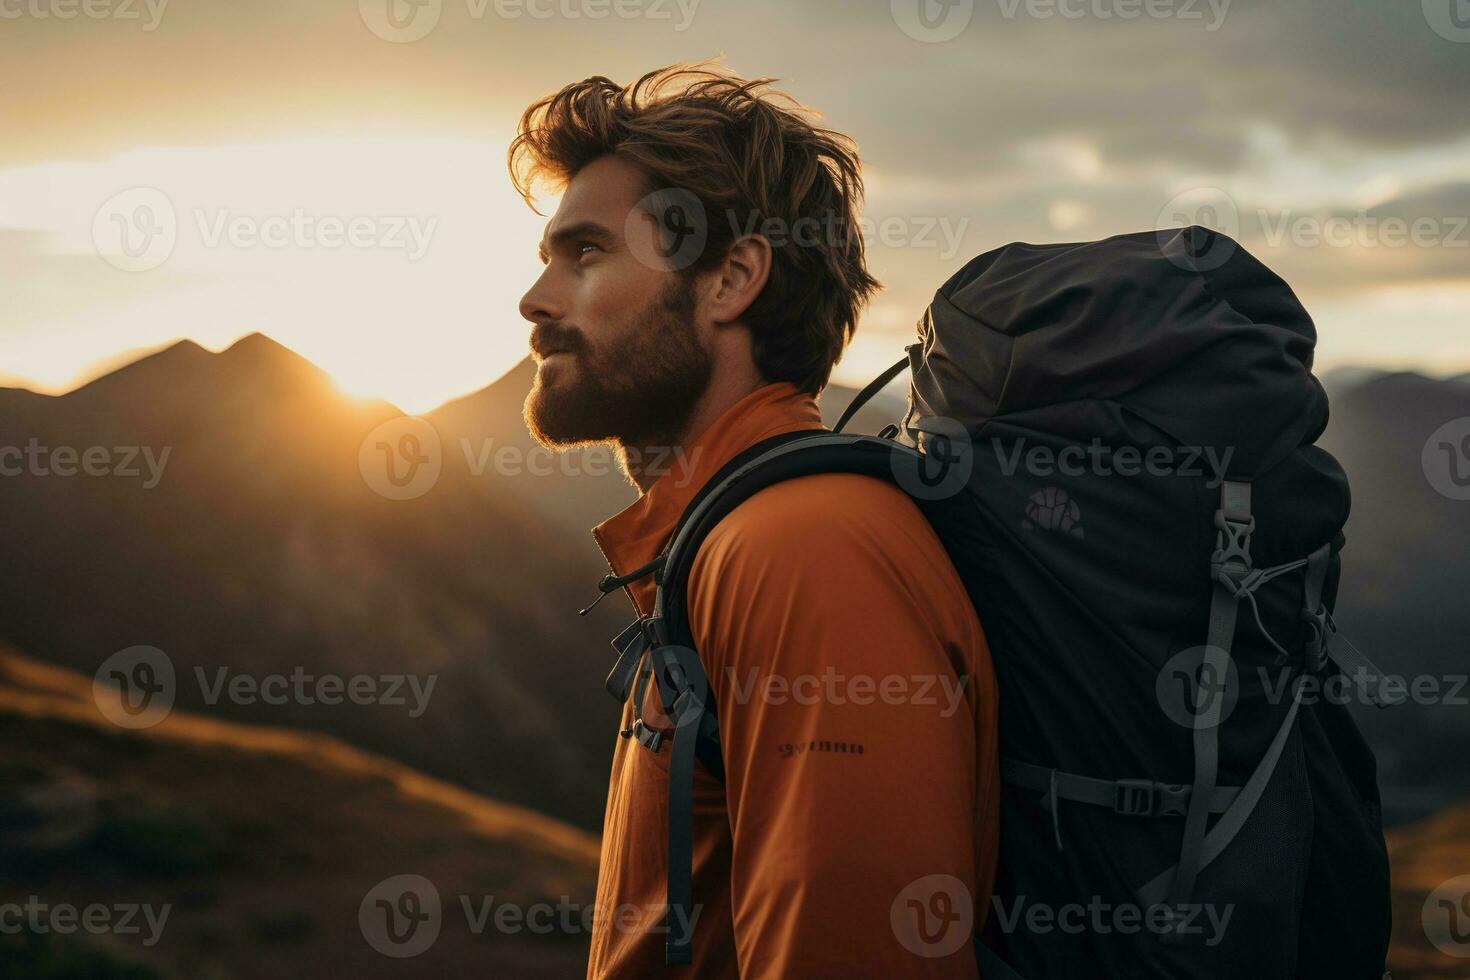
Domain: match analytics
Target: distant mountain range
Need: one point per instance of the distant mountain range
(1406, 579)
(263, 550)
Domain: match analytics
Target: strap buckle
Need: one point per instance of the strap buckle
(650, 738)
(1316, 646)
(1146, 798)
(1232, 553)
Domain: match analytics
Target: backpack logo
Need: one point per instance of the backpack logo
(1052, 510)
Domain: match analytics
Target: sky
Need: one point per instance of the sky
(332, 172)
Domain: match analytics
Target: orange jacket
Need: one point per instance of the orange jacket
(856, 832)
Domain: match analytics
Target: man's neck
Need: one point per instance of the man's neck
(645, 463)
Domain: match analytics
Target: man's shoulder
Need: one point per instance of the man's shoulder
(814, 519)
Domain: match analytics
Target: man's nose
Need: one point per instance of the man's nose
(540, 304)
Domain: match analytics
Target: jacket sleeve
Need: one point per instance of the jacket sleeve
(839, 645)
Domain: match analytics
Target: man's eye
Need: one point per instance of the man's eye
(582, 248)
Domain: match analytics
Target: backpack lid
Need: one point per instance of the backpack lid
(1183, 327)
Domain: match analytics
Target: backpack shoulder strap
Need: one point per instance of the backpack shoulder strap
(683, 683)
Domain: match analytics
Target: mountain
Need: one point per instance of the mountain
(236, 532)
(257, 851)
(249, 545)
(1406, 572)
(1427, 859)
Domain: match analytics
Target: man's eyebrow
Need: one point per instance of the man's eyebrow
(581, 229)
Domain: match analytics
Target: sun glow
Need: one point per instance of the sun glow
(394, 264)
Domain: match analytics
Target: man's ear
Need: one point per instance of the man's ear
(739, 279)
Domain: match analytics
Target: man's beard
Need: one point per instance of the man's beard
(637, 389)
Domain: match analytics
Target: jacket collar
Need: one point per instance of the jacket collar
(635, 536)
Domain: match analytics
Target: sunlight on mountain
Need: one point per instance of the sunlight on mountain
(394, 264)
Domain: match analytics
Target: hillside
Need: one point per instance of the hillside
(263, 842)
(1425, 856)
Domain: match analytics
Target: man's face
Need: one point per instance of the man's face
(618, 350)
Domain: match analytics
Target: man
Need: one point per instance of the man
(855, 831)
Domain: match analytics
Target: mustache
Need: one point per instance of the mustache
(546, 340)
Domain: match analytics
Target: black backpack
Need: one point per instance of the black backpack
(1114, 442)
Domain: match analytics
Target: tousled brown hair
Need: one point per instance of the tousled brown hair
(750, 156)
